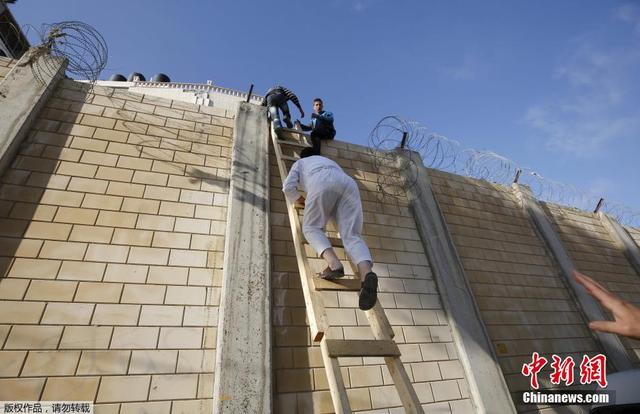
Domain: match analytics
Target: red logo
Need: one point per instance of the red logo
(591, 370)
(594, 370)
(532, 369)
(562, 370)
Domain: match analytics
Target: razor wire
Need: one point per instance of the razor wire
(393, 133)
(79, 43)
(390, 133)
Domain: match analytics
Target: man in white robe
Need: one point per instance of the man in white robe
(332, 194)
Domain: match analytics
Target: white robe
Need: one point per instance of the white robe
(330, 194)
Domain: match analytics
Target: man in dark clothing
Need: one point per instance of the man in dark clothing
(276, 98)
(321, 126)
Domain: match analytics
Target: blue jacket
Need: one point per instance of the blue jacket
(324, 120)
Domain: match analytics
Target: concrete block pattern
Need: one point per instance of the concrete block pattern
(106, 291)
(407, 292)
(524, 304)
(595, 252)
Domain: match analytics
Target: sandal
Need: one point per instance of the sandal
(329, 274)
(368, 292)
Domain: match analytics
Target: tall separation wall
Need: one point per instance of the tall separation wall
(112, 226)
(524, 303)
(634, 233)
(112, 230)
(407, 292)
(5, 66)
(595, 253)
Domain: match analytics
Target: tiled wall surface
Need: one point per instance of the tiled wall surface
(112, 225)
(407, 292)
(594, 253)
(634, 233)
(523, 302)
(5, 66)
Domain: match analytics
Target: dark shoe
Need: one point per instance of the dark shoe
(289, 124)
(369, 292)
(329, 274)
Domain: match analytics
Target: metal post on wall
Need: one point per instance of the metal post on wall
(404, 139)
(250, 92)
(515, 180)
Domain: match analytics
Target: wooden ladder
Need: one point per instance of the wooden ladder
(332, 349)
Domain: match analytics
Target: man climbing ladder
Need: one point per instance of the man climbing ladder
(276, 99)
(332, 194)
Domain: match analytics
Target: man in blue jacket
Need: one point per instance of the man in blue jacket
(321, 126)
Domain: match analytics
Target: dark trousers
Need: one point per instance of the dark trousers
(279, 101)
(319, 134)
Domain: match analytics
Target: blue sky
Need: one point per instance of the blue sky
(552, 85)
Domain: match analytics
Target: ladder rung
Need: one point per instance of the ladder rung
(293, 143)
(337, 284)
(289, 158)
(281, 132)
(362, 347)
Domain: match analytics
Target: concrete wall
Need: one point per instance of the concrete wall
(196, 93)
(523, 301)
(407, 292)
(112, 226)
(594, 253)
(634, 233)
(5, 66)
(112, 222)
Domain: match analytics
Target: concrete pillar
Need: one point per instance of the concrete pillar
(489, 390)
(622, 239)
(22, 96)
(242, 382)
(615, 350)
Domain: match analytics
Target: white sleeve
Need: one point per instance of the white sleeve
(289, 187)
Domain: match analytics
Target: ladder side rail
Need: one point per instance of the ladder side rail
(318, 321)
(339, 395)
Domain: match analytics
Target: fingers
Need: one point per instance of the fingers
(606, 326)
(591, 285)
(595, 289)
(582, 276)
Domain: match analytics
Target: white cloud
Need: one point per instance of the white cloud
(357, 6)
(630, 13)
(603, 186)
(470, 68)
(600, 104)
(579, 130)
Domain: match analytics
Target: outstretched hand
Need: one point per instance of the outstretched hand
(626, 315)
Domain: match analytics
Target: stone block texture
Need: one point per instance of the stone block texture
(407, 292)
(112, 227)
(595, 253)
(523, 301)
(634, 233)
(5, 66)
